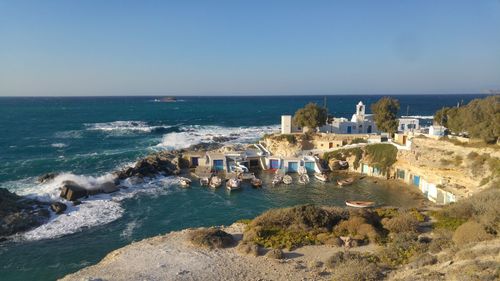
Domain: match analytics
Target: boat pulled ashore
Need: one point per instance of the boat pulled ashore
(359, 204)
(287, 179)
(215, 182)
(304, 179)
(256, 182)
(302, 170)
(344, 182)
(204, 181)
(233, 183)
(321, 176)
(184, 182)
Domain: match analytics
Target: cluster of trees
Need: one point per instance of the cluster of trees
(311, 116)
(480, 118)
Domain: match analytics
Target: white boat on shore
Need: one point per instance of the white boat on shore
(287, 179)
(344, 182)
(215, 182)
(184, 182)
(277, 179)
(302, 170)
(304, 179)
(204, 181)
(322, 177)
(359, 204)
(233, 183)
(256, 182)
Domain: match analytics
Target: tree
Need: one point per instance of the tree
(311, 116)
(480, 118)
(385, 114)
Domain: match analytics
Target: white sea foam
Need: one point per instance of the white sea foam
(195, 134)
(123, 127)
(93, 211)
(419, 116)
(59, 145)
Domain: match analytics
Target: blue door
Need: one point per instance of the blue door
(274, 163)
(218, 165)
(349, 130)
(293, 167)
(194, 161)
(416, 180)
(310, 166)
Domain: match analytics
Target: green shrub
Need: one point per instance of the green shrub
(401, 248)
(446, 221)
(358, 140)
(470, 232)
(211, 238)
(381, 155)
(291, 139)
(358, 228)
(279, 238)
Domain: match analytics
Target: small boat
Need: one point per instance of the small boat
(185, 182)
(304, 179)
(277, 179)
(256, 182)
(343, 164)
(215, 182)
(247, 176)
(302, 170)
(287, 179)
(204, 181)
(233, 183)
(168, 99)
(360, 204)
(344, 182)
(322, 177)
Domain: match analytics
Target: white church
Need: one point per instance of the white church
(360, 123)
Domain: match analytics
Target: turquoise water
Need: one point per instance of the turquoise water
(89, 137)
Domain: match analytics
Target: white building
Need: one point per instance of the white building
(287, 125)
(408, 125)
(437, 130)
(360, 123)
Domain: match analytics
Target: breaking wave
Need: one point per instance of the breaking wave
(195, 134)
(93, 211)
(124, 127)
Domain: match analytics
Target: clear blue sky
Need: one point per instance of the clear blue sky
(248, 47)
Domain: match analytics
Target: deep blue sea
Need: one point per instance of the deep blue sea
(85, 138)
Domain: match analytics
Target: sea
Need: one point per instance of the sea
(84, 139)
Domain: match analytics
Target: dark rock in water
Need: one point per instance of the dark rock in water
(204, 146)
(77, 202)
(19, 213)
(109, 187)
(151, 165)
(47, 177)
(72, 191)
(58, 207)
(223, 139)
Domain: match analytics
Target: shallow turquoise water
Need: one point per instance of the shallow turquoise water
(81, 136)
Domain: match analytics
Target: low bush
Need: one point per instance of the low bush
(401, 248)
(248, 248)
(476, 270)
(275, 254)
(470, 232)
(353, 266)
(211, 238)
(358, 140)
(358, 228)
(402, 222)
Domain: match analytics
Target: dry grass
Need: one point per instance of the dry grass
(353, 266)
(275, 254)
(470, 232)
(212, 238)
(248, 248)
(402, 222)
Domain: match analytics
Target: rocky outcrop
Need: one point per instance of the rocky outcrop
(58, 207)
(19, 214)
(46, 177)
(166, 163)
(72, 191)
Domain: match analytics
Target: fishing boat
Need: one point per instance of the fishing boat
(184, 182)
(233, 183)
(304, 179)
(256, 182)
(321, 176)
(247, 176)
(360, 204)
(302, 170)
(287, 179)
(215, 182)
(344, 182)
(204, 181)
(277, 179)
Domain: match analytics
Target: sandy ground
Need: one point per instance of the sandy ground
(173, 257)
